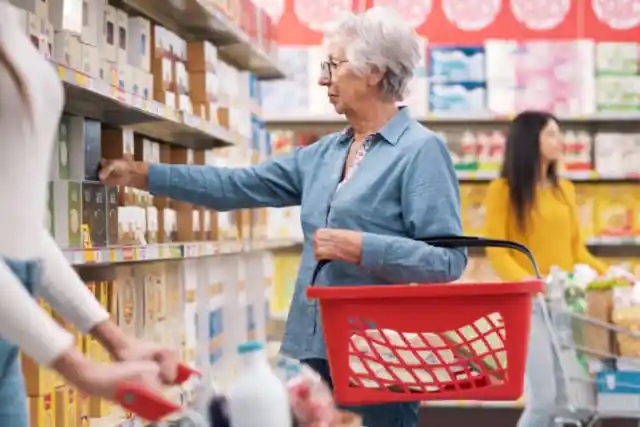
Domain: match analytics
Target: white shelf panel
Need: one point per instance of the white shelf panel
(335, 119)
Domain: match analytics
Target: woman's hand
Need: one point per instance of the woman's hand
(124, 348)
(125, 171)
(103, 380)
(338, 245)
(167, 359)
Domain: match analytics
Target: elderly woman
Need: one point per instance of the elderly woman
(365, 193)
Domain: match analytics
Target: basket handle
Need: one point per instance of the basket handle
(457, 242)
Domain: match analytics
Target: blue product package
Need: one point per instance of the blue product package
(457, 64)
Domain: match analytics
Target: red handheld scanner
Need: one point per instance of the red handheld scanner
(147, 404)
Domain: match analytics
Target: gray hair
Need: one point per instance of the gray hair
(379, 40)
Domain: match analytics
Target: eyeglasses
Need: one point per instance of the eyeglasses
(328, 67)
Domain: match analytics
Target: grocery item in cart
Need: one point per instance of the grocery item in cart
(599, 298)
(461, 350)
(626, 314)
(311, 399)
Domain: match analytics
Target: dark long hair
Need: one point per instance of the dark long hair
(521, 165)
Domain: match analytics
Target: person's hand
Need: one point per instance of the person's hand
(123, 172)
(103, 380)
(340, 245)
(167, 359)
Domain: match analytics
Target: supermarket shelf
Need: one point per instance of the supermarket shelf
(93, 98)
(578, 176)
(275, 244)
(614, 241)
(473, 404)
(195, 20)
(168, 251)
(334, 119)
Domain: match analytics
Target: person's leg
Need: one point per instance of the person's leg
(388, 415)
(540, 383)
(13, 400)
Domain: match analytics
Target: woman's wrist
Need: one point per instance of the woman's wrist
(111, 338)
(73, 366)
(140, 175)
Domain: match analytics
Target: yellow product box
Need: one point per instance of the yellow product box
(472, 208)
(130, 302)
(39, 380)
(636, 210)
(65, 407)
(41, 411)
(98, 407)
(615, 210)
(103, 290)
(586, 207)
(83, 410)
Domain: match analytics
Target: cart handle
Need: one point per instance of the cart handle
(147, 404)
(457, 242)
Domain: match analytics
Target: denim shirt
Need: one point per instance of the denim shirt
(404, 188)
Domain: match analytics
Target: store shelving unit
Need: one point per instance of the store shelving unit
(98, 100)
(197, 20)
(215, 281)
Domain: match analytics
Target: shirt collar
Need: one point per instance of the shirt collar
(390, 132)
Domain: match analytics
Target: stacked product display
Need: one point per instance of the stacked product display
(141, 82)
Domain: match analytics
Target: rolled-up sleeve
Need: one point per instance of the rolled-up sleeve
(430, 201)
(274, 183)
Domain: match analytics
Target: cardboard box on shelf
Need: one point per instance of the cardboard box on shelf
(130, 302)
(85, 150)
(67, 213)
(60, 159)
(94, 216)
(41, 411)
(39, 380)
(65, 407)
(586, 207)
(139, 50)
(615, 210)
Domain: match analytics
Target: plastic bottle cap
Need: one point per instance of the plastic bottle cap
(250, 346)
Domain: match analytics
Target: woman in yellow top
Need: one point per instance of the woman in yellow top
(530, 205)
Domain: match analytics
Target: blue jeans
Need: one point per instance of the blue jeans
(384, 415)
(13, 398)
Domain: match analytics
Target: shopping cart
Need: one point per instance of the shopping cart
(583, 393)
(405, 343)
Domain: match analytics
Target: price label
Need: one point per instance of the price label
(81, 80)
(89, 256)
(62, 72)
(142, 254)
(152, 252)
(113, 255)
(128, 254)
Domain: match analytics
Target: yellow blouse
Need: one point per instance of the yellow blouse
(552, 235)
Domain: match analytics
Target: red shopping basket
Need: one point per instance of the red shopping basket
(405, 343)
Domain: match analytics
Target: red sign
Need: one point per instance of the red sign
(469, 22)
(611, 20)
